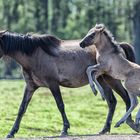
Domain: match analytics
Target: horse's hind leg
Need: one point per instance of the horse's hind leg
(54, 87)
(117, 86)
(111, 101)
(134, 102)
(137, 121)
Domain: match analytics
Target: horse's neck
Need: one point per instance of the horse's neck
(21, 59)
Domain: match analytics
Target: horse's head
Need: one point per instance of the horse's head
(93, 36)
(1, 42)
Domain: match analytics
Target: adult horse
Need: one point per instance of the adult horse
(44, 64)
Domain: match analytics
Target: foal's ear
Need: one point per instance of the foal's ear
(102, 29)
(2, 32)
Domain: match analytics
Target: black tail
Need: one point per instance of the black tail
(129, 51)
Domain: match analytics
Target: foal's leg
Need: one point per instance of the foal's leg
(93, 73)
(111, 101)
(134, 102)
(89, 74)
(54, 87)
(137, 121)
(117, 86)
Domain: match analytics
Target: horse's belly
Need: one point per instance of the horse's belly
(73, 81)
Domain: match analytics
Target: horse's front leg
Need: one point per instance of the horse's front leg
(94, 72)
(54, 87)
(29, 90)
(25, 101)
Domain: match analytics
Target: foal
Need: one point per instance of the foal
(35, 54)
(111, 61)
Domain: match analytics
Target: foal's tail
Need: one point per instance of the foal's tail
(129, 51)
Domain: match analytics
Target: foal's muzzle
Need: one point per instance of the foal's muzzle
(82, 44)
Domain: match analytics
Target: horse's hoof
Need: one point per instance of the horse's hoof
(10, 136)
(104, 131)
(137, 122)
(64, 134)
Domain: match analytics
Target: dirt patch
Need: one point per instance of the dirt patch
(87, 137)
(98, 137)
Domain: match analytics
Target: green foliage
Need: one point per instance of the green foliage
(86, 113)
(67, 19)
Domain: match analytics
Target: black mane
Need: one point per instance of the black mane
(110, 37)
(27, 44)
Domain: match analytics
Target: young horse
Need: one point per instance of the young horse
(111, 61)
(67, 69)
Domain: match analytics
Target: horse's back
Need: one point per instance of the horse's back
(68, 68)
(72, 63)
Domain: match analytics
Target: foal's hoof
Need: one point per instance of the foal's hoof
(94, 91)
(103, 98)
(119, 123)
(10, 136)
(64, 134)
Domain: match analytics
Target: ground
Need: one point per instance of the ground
(86, 113)
(89, 137)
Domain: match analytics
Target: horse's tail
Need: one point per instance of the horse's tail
(129, 51)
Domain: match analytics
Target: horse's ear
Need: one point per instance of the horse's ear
(2, 32)
(102, 29)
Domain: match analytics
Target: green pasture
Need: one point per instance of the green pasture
(86, 113)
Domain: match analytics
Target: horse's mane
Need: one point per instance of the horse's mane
(27, 44)
(110, 37)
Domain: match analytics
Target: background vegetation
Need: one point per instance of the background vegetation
(69, 19)
(86, 113)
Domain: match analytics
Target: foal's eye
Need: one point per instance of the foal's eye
(92, 35)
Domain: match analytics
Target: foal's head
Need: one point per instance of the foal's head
(93, 36)
(100, 36)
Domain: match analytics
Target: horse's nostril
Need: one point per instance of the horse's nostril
(82, 45)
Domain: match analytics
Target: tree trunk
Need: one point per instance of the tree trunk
(136, 28)
(55, 15)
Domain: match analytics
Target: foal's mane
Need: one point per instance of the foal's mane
(110, 37)
(27, 44)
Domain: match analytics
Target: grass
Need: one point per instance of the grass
(86, 113)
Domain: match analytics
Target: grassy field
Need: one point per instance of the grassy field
(85, 112)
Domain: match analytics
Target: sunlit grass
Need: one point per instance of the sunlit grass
(86, 113)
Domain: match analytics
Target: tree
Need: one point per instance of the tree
(136, 27)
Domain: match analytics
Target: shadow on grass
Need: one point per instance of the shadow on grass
(42, 130)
